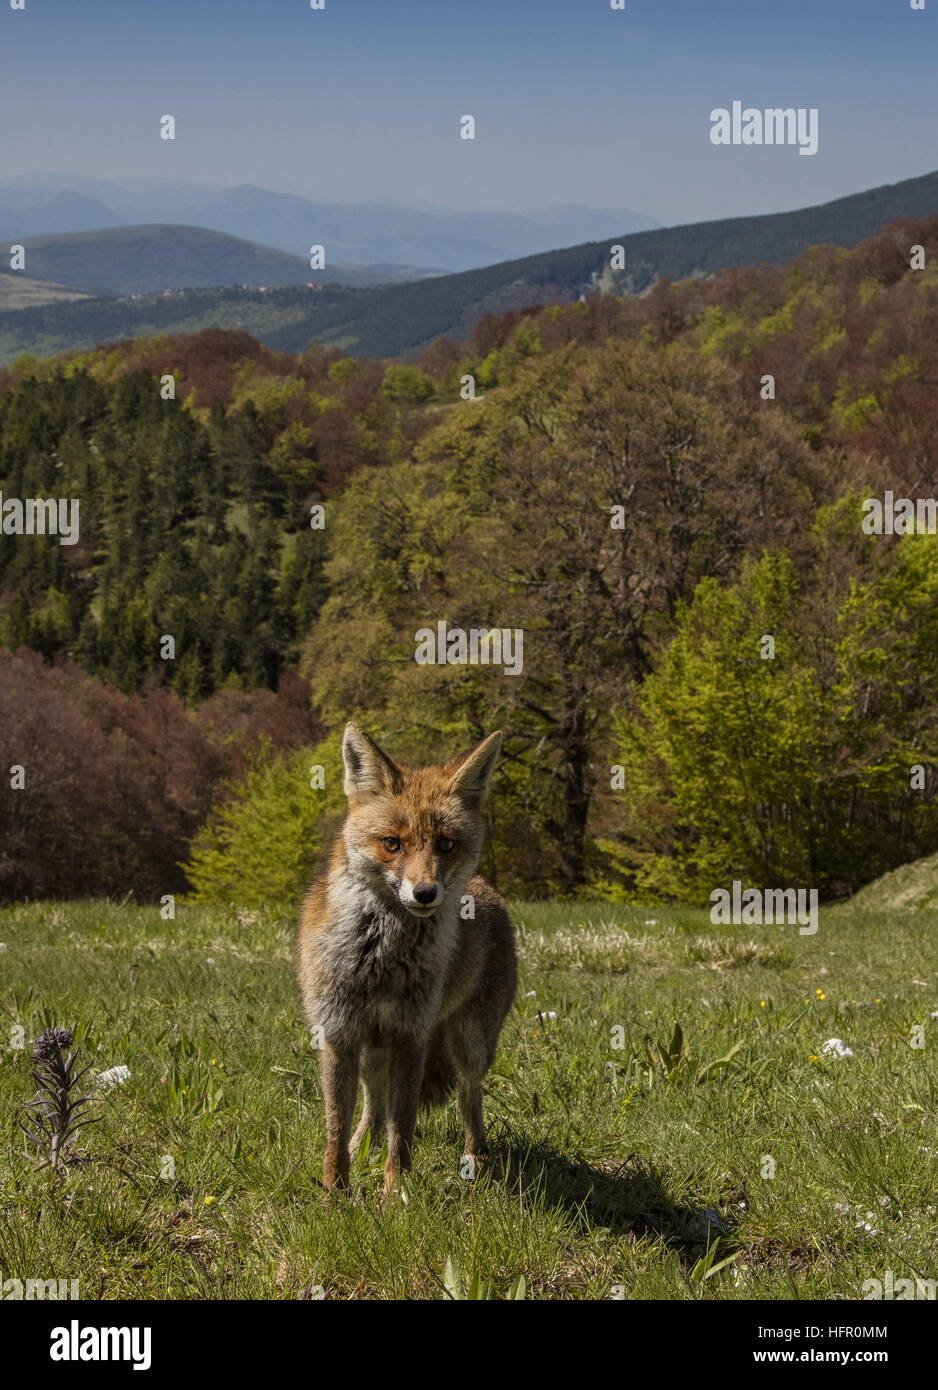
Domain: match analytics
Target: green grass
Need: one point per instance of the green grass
(617, 1171)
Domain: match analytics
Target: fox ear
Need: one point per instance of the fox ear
(471, 778)
(368, 770)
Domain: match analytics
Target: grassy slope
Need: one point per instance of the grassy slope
(22, 292)
(907, 889)
(605, 1171)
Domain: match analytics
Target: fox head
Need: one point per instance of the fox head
(415, 833)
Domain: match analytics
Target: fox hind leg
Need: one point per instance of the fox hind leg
(472, 1054)
(470, 1107)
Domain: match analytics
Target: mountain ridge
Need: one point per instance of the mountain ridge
(353, 233)
(399, 320)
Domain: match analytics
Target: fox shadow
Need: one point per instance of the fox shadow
(626, 1197)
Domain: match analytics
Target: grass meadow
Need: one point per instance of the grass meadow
(735, 1159)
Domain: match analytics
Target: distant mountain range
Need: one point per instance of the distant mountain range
(363, 234)
(399, 319)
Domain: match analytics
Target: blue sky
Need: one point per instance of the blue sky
(574, 102)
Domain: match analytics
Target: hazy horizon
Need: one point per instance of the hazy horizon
(52, 177)
(40, 177)
(574, 104)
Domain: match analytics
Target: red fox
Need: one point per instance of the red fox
(404, 959)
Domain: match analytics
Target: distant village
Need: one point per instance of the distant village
(262, 289)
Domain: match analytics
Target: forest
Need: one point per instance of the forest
(725, 675)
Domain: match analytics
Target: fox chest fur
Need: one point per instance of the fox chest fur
(378, 969)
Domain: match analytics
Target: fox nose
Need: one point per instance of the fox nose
(425, 893)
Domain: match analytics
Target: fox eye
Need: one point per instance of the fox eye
(444, 844)
(391, 843)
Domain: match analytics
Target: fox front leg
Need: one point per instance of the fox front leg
(339, 1084)
(405, 1073)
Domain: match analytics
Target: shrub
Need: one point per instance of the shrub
(261, 843)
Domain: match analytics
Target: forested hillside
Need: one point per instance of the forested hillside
(736, 424)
